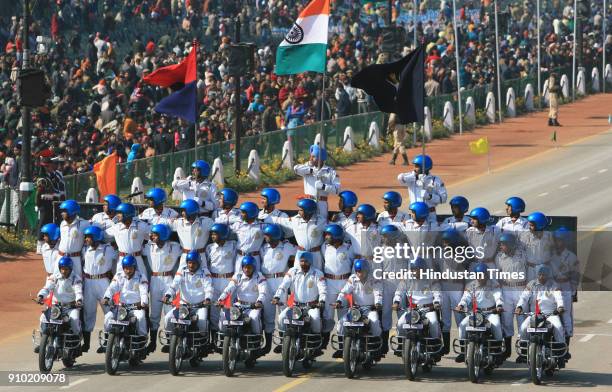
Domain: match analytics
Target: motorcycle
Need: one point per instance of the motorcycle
(414, 344)
(185, 340)
(236, 341)
(123, 343)
(57, 342)
(481, 350)
(298, 343)
(357, 346)
(544, 355)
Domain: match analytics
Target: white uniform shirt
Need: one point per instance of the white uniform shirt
(50, 257)
(364, 239)
(227, 217)
(420, 234)
(385, 219)
(193, 287)
(153, 218)
(162, 259)
(312, 174)
(426, 188)
(308, 234)
(538, 249)
(103, 221)
(338, 261)
(129, 239)
(132, 291)
(192, 235)
(263, 214)
(517, 262)
(366, 293)
(452, 223)
(506, 224)
(222, 258)
(274, 260)
(71, 235)
(486, 240)
(486, 296)
(64, 290)
(307, 287)
(423, 291)
(565, 267)
(204, 192)
(98, 260)
(246, 289)
(548, 296)
(345, 221)
(250, 236)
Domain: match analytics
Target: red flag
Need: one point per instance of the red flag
(349, 299)
(291, 300)
(474, 304)
(537, 307)
(183, 72)
(177, 300)
(410, 304)
(116, 297)
(227, 302)
(49, 300)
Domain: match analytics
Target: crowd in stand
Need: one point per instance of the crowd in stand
(95, 53)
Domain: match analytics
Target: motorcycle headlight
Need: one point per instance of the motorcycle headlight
(235, 313)
(183, 312)
(355, 315)
(477, 320)
(414, 317)
(122, 313)
(56, 312)
(296, 313)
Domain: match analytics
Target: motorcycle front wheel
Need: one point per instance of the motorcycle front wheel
(175, 360)
(350, 355)
(289, 354)
(535, 363)
(410, 356)
(229, 356)
(473, 363)
(46, 354)
(112, 355)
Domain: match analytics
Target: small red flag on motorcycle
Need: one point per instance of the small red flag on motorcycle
(537, 307)
(474, 304)
(227, 302)
(116, 297)
(291, 299)
(49, 300)
(349, 299)
(177, 300)
(410, 304)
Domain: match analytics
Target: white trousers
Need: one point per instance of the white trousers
(269, 310)
(450, 299)
(511, 296)
(333, 289)
(93, 293)
(157, 288)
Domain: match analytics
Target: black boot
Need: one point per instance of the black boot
(385, 342)
(508, 344)
(153, 341)
(102, 349)
(267, 348)
(392, 161)
(446, 340)
(556, 123)
(325, 342)
(550, 122)
(405, 158)
(460, 358)
(86, 341)
(567, 356)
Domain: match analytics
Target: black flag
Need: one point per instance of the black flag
(396, 87)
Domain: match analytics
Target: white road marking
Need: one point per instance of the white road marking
(583, 178)
(543, 194)
(602, 171)
(586, 338)
(77, 382)
(520, 382)
(563, 186)
(610, 321)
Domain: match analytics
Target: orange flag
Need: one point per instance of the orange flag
(49, 300)
(116, 297)
(349, 299)
(177, 300)
(227, 302)
(106, 175)
(291, 300)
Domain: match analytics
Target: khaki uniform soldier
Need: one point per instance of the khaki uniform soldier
(399, 138)
(553, 100)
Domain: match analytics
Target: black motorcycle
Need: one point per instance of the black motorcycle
(298, 343)
(357, 345)
(184, 338)
(414, 345)
(482, 351)
(123, 342)
(236, 340)
(544, 355)
(57, 342)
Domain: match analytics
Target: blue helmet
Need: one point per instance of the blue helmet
(221, 229)
(190, 206)
(52, 230)
(248, 260)
(95, 232)
(306, 256)
(158, 196)
(128, 261)
(360, 265)
(517, 205)
(482, 268)
(230, 197)
(272, 195)
(308, 205)
(481, 214)
(508, 238)
(194, 256)
(349, 199)
(543, 269)
(418, 263)
(336, 231)
(394, 199)
(163, 231)
(420, 210)
(71, 207)
(113, 202)
(250, 209)
(418, 161)
(539, 220)
(461, 202)
(317, 151)
(451, 235)
(127, 210)
(390, 231)
(368, 211)
(65, 262)
(562, 233)
(273, 231)
(203, 166)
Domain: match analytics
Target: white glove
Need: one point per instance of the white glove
(46, 197)
(319, 185)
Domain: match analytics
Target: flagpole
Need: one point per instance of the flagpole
(488, 157)
(539, 63)
(574, 52)
(499, 96)
(603, 54)
(415, 126)
(195, 124)
(457, 62)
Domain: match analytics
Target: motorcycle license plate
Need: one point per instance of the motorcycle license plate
(294, 322)
(537, 330)
(349, 324)
(468, 328)
(412, 326)
(117, 322)
(179, 321)
(236, 323)
(54, 321)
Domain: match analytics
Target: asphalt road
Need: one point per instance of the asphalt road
(571, 180)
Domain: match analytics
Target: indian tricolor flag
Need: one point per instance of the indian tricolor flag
(305, 45)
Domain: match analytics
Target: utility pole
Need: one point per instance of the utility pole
(237, 108)
(26, 186)
(390, 13)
